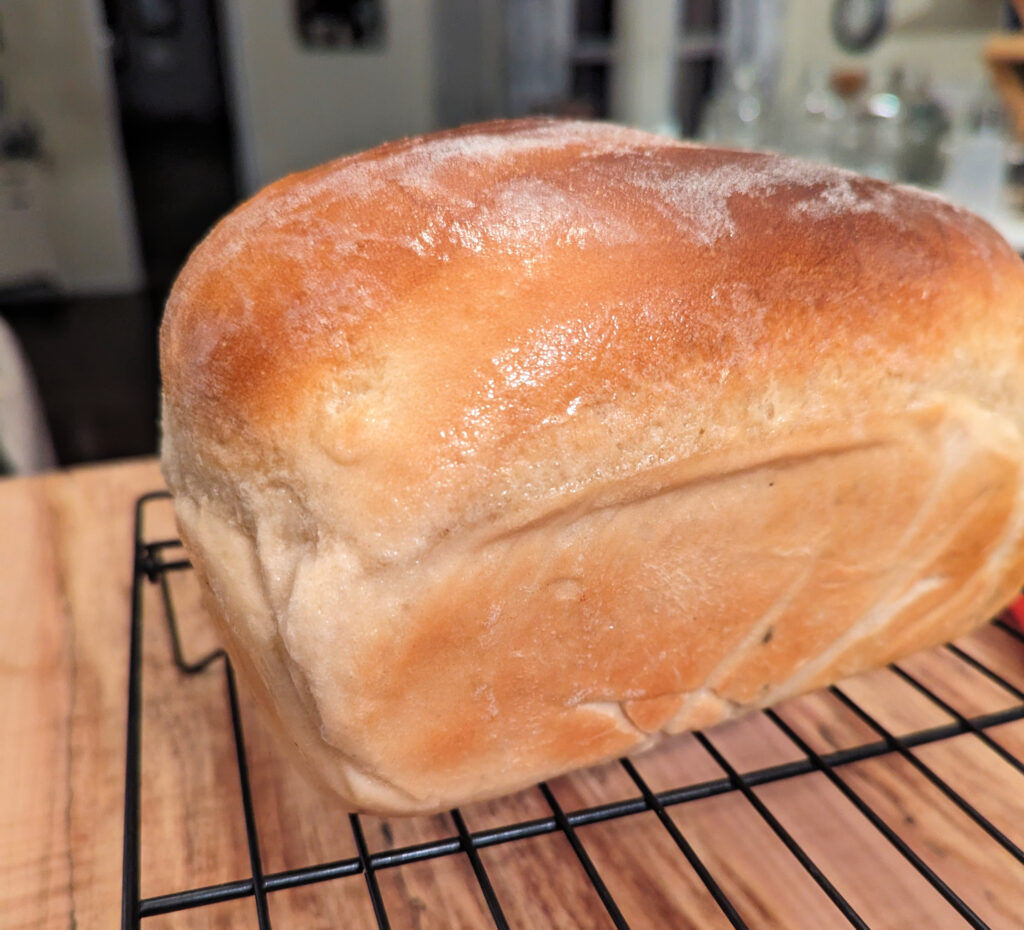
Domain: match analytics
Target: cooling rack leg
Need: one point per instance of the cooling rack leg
(130, 918)
(259, 888)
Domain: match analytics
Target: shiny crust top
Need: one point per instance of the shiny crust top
(435, 305)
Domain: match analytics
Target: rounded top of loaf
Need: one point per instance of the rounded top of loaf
(454, 323)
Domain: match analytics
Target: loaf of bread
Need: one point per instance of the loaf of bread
(506, 450)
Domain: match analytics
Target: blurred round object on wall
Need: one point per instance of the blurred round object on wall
(858, 24)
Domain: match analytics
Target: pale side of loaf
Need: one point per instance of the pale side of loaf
(507, 450)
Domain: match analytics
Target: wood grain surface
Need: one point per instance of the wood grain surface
(65, 577)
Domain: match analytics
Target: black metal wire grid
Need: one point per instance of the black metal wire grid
(154, 560)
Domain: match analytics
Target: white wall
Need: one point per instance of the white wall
(55, 64)
(296, 107)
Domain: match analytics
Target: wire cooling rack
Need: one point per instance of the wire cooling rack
(155, 560)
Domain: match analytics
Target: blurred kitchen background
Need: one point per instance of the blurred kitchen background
(127, 127)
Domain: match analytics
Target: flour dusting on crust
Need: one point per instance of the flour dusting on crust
(484, 191)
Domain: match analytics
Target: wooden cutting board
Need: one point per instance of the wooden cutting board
(65, 581)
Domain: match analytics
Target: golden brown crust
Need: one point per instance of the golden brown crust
(504, 448)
